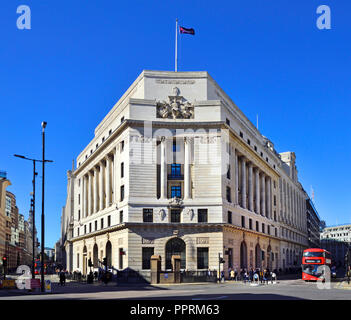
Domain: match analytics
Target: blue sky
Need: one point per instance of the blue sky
(80, 56)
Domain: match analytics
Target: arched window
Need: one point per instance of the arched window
(109, 253)
(258, 256)
(95, 256)
(243, 255)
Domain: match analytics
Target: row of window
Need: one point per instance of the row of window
(102, 141)
(250, 226)
(202, 257)
(101, 224)
(249, 142)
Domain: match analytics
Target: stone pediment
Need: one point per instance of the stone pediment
(175, 108)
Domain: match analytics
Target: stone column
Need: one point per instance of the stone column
(251, 208)
(116, 177)
(89, 195)
(108, 181)
(84, 195)
(163, 169)
(236, 170)
(263, 195)
(257, 193)
(187, 146)
(243, 182)
(96, 202)
(269, 198)
(101, 185)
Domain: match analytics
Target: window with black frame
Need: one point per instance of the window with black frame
(147, 252)
(175, 215)
(230, 219)
(147, 215)
(202, 215)
(202, 258)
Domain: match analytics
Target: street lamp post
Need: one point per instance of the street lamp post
(43, 126)
(33, 212)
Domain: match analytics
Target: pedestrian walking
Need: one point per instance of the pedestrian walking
(265, 276)
(62, 278)
(236, 274)
(256, 278)
(232, 275)
(261, 276)
(222, 276)
(273, 277)
(251, 273)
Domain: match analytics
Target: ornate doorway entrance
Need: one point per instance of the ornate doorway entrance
(175, 246)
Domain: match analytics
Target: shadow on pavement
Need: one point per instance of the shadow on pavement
(236, 296)
(79, 287)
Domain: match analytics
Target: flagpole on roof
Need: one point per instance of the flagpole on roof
(176, 47)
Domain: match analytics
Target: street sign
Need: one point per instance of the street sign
(47, 286)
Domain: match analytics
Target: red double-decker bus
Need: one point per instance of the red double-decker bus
(312, 260)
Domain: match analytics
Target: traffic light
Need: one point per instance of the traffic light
(221, 260)
(4, 261)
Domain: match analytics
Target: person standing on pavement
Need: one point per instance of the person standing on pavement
(236, 274)
(232, 275)
(62, 278)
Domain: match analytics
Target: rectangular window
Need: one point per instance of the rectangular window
(241, 134)
(122, 146)
(229, 198)
(250, 224)
(122, 119)
(202, 215)
(257, 226)
(176, 170)
(85, 229)
(95, 225)
(202, 258)
(230, 219)
(227, 121)
(243, 221)
(102, 223)
(108, 221)
(122, 193)
(78, 198)
(78, 232)
(90, 227)
(121, 254)
(175, 215)
(148, 215)
(228, 172)
(121, 216)
(146, 255)
(77, 260)
(263, 228)
(268, 229)
(122, 169)
(78, 215)
(176, 192)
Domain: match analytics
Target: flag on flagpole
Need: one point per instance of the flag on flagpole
(187, 30)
